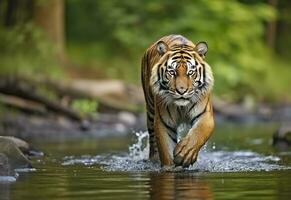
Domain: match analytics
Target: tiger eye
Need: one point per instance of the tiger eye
(173, 65)
(171, 72)
(191, 72)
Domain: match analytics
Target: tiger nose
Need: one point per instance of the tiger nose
(181, 90)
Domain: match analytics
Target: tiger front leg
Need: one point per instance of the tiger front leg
(187, 149)
(166, 141)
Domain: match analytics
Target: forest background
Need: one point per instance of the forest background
(249, 41)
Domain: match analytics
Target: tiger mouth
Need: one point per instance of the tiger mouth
(179, 97)
(182, 98)
(182, 101)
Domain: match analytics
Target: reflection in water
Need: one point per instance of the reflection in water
(4, 191)
(179, 186)
(84, 170)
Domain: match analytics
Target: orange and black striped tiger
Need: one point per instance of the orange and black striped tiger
(177, 84)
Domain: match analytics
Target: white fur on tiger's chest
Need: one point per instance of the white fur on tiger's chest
(182, 102)
(180, 117)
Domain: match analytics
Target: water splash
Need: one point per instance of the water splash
(7, 179)
(213, 146)
(209, 160)
(236, 161)
(23, 170)
(140, 149)
(136, 159)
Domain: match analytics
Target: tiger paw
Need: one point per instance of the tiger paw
(185, 153)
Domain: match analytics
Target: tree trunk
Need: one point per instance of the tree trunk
(272, 27)
(10, 13)
(49, 16)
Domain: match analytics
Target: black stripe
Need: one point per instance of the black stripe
(174, 138)
(152, 141)
(163, 82)
(194, 104)
(176, 57)
(151, 118)
(179, 111)
(150, 130)
(162, 73)
(186, 57)
(166, 64)
(195, 73)
(151, 97)
(169, 113)
(177, 48)
(197, 116)
(200, 75)
(166, 125)
(185, 52)
(204, 73)
(163, 87)
(159, 76)
(150, 100)
(150, 109)
(181, 48)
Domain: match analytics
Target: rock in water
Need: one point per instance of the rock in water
(24, 147)
(11, 155)
(282, 137)
(4, 165)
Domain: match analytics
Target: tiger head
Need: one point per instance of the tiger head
(181, 75)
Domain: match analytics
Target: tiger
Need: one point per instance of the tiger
(177, 83)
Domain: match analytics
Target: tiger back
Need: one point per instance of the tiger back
(177, 84)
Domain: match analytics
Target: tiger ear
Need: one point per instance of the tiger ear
(162, 48)
(201, 48)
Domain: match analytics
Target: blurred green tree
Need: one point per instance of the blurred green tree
(111, 36)
(235, 31)
(31, 37)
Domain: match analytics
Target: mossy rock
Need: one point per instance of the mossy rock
(282, 137)
(11, 155)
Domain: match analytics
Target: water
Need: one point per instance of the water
(137, 160)
(237, 163)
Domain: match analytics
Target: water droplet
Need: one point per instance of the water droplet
(136, 159)
(213, 146)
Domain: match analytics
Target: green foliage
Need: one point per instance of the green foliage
(26, 51)
(85, 105)
(283, 44)
(112, 35)
(234, 31)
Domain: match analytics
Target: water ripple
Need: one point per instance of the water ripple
(214, 161)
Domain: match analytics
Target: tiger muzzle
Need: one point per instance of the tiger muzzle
(181, 90)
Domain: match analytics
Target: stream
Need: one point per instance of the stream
(238, 162)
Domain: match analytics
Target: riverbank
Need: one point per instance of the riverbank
(42, 108)
(120, 123)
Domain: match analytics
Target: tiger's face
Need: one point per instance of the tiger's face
(182, 79)
(181, 76)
